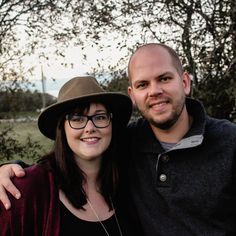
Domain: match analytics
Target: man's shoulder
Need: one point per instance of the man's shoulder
(221, 126)
(223, 123)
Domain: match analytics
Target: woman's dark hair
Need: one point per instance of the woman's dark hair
(70, 177)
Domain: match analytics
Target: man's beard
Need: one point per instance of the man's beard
(170, 122)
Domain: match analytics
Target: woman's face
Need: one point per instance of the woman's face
(88, 143)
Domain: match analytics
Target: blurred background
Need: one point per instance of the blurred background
(44, 43)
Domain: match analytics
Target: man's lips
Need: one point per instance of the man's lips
(158, 104)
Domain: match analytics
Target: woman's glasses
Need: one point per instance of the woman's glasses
(101, 120)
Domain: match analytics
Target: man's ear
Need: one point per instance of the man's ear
(186, 83)
(130, 92)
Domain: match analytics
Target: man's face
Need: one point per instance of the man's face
(157, 89)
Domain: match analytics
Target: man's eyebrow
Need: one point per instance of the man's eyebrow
(140, 81)
(165, 74)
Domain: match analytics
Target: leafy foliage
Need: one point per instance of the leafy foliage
(10, 147)
(202, 32)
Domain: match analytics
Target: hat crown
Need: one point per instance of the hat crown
(79, 87)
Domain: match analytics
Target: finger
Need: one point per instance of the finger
(17, 171)
(8, 171)
(10, 187)
(4, 198)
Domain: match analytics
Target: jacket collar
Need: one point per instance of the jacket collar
(145, 140)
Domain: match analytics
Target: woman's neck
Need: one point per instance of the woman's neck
(89, 167)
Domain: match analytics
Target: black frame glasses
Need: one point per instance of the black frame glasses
(100, 120)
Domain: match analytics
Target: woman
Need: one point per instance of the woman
(77, 188)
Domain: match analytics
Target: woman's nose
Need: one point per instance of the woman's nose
(89, 126)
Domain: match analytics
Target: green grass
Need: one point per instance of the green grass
(15, 115)
(22, 130)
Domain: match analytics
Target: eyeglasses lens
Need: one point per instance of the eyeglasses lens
(79, 122)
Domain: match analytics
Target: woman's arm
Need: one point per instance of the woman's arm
(8, 171)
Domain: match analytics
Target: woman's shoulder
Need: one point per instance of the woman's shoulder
(39, 201)
(39, 168)
(37, 177)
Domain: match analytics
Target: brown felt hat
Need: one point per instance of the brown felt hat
(81, 89)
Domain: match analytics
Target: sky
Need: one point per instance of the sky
(56, 74)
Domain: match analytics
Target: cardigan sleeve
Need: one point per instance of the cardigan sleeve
(37, 211)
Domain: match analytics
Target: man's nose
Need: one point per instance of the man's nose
(155, 89)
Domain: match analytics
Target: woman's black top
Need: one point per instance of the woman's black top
(71, 225)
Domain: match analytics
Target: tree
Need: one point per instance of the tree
(202, 31)
(26, 28)
(16, 101)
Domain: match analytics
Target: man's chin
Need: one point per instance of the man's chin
(165, 125)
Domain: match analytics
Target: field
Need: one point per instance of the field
(22, 130)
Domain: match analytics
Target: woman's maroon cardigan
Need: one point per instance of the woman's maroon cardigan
(37, 212)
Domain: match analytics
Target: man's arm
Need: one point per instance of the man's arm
(8, 171)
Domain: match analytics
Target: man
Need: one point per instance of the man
(182, 170)
(183, 167)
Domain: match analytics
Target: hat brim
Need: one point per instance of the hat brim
(119, 104)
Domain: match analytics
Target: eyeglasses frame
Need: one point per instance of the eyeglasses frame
(109, 115)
